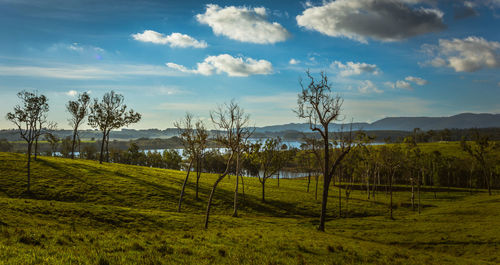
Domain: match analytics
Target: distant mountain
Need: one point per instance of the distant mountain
(460, 121)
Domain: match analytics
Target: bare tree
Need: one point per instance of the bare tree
(27, 118)
(201, 145)
(320, 107)
(194, 138)
(232, 124)
(78, 109)
(110, 114)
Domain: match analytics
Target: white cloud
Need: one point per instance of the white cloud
(225, 63)
(293, 61)
(173, 40)
(75, 47)
(384, 20)
(368, 86)
(71, 93)
(464, 55)
(403, 85)
(390, 84)
(417, 80)
(85, 72)
(243, 24)
(352, 68)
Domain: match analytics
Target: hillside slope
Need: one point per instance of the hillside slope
(85, 213)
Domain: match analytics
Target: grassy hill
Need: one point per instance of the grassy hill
(81, 212)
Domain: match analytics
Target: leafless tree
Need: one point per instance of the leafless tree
(188, 138)
(78, 109)
(319, 106)
(232, 124)
(27, 118)
(194, 138)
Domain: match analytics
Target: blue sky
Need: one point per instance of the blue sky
(385, 57)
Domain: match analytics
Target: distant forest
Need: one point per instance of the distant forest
(167, 139)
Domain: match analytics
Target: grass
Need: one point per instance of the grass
(82, 212)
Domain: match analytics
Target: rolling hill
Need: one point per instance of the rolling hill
(81, 212)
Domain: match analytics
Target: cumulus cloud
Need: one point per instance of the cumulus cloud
(402, 84)
(368, 86)
(243, 24)
(293, 61)
(173, 40)
(464, 55)
(384, 20)
(417, 80)
(225, 63)
(71, 93)
(352, 68)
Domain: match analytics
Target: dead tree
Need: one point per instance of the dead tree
(319, 106)
(188, 138)
(232, 124)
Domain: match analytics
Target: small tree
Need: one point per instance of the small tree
(479, 151)
(78, 110)
(188, 137)
(53, 142)
(320, 107)
(27, 118)
(268, 156)
(110, 114)
(231, 122)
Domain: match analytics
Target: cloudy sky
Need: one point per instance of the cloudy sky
(385, 57)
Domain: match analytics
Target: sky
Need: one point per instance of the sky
(386, 58)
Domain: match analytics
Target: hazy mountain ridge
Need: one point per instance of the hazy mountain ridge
(459, 121)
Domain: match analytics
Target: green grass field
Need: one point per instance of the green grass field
(85, 213)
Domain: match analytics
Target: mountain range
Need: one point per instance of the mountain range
(460, 121)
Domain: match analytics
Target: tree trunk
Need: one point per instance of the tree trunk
(263, 182)
(209, 204)
(242, 188)
(101, 157)
(184, 186)
(107, 146)
(322, 217)
(326, 181)
(308, 182)
(235, 206)
(36, 147)
(278, 179)
(316, 191)
(29, 166)
(73, 143)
